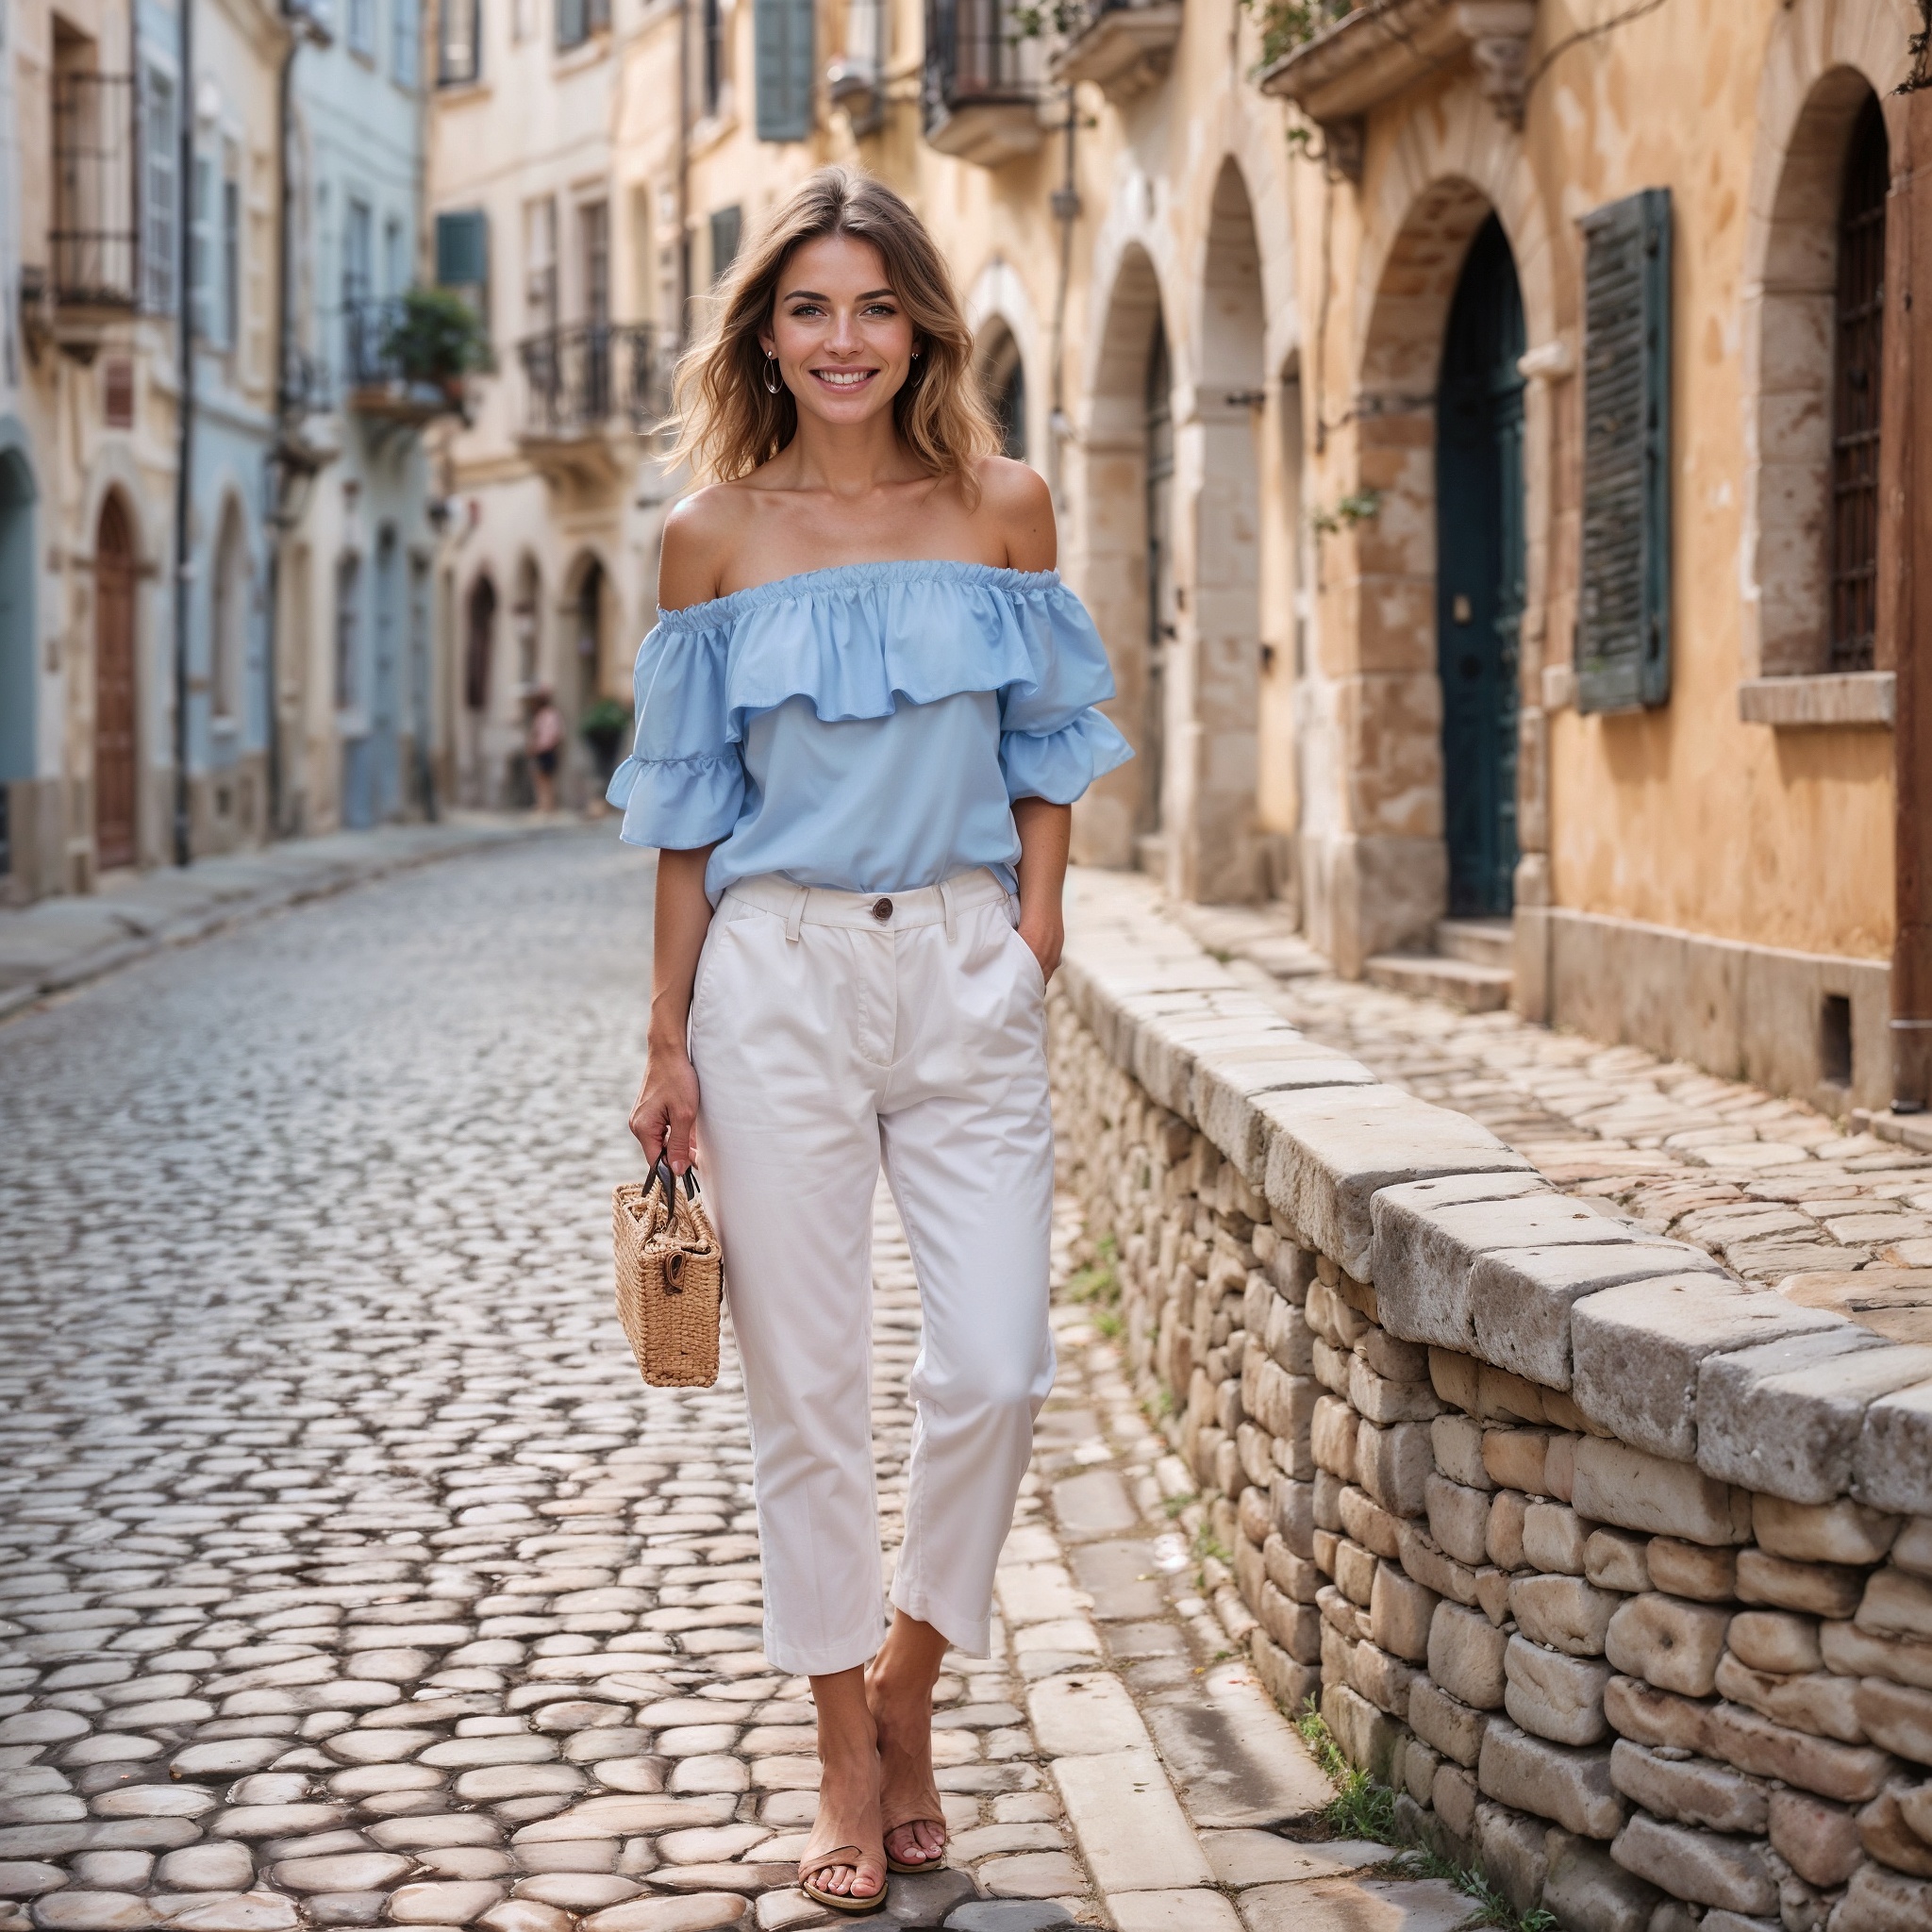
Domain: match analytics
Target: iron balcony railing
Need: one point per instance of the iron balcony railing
(369, 356)
(586, 379)
(95, 237)
(975, 56)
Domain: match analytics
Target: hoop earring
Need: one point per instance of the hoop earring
(771, 369)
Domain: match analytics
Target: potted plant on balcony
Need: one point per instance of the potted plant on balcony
(603, 726)
(436, 340)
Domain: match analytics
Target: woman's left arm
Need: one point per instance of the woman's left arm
(1019, 503)
(1045, 831)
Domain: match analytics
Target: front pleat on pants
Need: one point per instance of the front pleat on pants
(826, 1039)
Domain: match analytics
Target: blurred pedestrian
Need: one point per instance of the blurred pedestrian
(544, 744)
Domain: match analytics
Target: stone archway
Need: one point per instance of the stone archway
(1110, 563)
(19, 669)
(117, 736)
(1213, 750)
(1379, 880)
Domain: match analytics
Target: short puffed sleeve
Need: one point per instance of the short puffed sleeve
(1053, 743)
(683, 785)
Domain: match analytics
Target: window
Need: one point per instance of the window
(395, 258)
(159, 137)
(458, 48)
(231, 247)
(782, 42)
(578, 19)
(1856, 358)
(593, 242)
(361, 33)
(1623, 621)
(462, 250)
(726, 222)
(358, 243)
(405, 36)
(713, 64)
(540, 265)
(348, 632)
(200, 266)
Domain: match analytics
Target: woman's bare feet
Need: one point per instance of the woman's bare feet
(848, 1813)
(899, 1690)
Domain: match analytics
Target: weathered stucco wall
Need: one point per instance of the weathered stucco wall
(1619, 1569)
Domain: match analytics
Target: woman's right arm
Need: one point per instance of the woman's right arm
(697, 538)
(667, 1103)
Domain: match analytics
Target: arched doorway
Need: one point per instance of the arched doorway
(116, 749)
(1003, 378)
(1108, 546)
(479, 652)
(385, 679)
(1161, 608)
(19, 647)
(229, 635)
(1213, 675)
(1480, 573)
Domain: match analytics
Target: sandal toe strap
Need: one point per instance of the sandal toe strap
(825, 1861)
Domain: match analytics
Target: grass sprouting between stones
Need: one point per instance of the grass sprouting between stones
(1365, 1811)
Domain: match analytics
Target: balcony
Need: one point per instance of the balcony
(93, 280)
(382, 379)
(590, 390)
(1123, 47)
(1375, 52)
(981, 94)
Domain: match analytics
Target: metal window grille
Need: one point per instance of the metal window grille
(1859, 342)
(974, 52)
(96, 239)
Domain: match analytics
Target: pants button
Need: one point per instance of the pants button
(882, 910)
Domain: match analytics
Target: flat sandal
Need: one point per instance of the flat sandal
(912, 1867)
(809, 1868)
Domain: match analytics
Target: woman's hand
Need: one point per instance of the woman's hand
(1045, 832)
(1045, 932)
(666, 1113)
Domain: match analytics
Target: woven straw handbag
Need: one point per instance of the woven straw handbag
(670, 1279)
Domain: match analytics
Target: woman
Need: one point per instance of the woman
(862, 718)
(544, 743)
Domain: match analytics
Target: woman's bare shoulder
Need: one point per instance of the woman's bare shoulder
(702, 535)
(1014, 499)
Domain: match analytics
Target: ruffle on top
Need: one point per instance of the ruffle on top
(855, 641)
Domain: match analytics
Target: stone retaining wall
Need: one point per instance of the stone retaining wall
(1618, 1569)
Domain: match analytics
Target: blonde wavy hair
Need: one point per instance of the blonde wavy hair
(729, 423)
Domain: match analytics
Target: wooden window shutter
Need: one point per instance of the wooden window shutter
(462, 249)
(1624, 619)
(782, 41)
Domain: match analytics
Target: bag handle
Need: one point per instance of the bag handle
(668, 1181)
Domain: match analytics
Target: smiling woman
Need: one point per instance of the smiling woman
(862, 719)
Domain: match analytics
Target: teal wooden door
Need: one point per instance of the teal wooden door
(1479, 588)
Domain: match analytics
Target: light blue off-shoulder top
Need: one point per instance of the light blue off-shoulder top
(865, 727)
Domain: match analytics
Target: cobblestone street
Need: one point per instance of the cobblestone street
(349, 1574)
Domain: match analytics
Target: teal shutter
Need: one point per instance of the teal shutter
(572, 27)
(1624, 619)
(462, 249)
(726, 225)
(782, 42)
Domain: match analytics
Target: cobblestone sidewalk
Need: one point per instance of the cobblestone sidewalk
(1781, 1194)
(349, 1576)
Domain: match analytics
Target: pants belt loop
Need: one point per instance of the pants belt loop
(794, 919)
(948, 898)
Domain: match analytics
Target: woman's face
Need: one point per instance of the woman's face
(844, 343)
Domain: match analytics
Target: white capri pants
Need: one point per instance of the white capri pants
(829, 1029)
